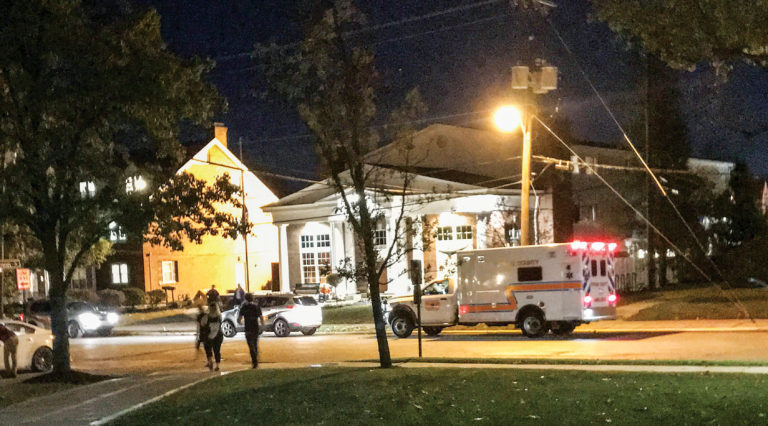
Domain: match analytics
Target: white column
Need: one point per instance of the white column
(285, 285)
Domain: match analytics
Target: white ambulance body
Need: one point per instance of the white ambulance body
(537, 288)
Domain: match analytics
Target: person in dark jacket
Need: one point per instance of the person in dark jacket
(239, 296)
(211, 322)
(251, 312)
(10, 347)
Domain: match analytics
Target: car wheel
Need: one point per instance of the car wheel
(104, 332)
(281, 328)
(74, 330)
(562, 328)
(533, 325)
(402, 326)
(433, 331)
(228, 329)
(308, 331)
(42, 360)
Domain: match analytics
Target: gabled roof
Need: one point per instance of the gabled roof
(229, 159)
(442, 148)
(383, 179)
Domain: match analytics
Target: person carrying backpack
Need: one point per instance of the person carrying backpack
(211, 322)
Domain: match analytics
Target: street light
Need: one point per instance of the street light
(507, 119)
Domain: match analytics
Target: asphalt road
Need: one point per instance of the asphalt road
(173, 353)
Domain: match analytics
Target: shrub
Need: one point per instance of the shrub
(112, 298)
(85, 295)
(133, 296)
(156, 296)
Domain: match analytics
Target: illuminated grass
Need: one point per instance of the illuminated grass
(363, 396)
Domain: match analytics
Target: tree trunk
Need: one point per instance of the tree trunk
(58, 302)
(378, 321)
(663, 268)
(651, 262)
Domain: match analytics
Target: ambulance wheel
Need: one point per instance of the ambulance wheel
(533, 325)
(433, 331)
(402, 326)
(562, 328)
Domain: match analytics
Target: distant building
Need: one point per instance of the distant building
(224, 262)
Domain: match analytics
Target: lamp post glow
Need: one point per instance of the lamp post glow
(507, 119)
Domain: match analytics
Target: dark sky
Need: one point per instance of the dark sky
(460, 61)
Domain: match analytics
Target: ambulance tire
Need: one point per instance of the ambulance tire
(532, 324)
(433, 331)
(402, 325)
(562, 328)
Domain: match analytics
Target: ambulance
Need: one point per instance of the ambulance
(552, 287)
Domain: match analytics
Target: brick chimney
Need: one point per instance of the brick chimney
(220, 132)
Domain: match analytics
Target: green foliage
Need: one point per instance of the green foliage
(685, 33)
(133, 296)
(90, 93)
(155, 297)
(110, 297)
(85, 295)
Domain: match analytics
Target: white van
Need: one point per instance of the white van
(537, 288)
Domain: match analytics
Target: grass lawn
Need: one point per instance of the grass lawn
(698, 303)
(157, 317)
(350, 314)
(461, 396)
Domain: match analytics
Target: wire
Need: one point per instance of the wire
(677, 249)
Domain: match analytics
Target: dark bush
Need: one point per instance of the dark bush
(155, 297)
(133, 296)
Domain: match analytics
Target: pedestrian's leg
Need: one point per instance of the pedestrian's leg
(14, 349)
(7, 357)
(251, 338)
(208, 353)
(217, 350)
(256, 351)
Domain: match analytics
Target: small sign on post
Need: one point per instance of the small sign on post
(23, 279)
(9, 263)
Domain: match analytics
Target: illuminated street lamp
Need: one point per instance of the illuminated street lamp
(507, 119)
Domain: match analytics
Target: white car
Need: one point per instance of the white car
(35, 350)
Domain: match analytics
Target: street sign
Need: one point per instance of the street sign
(10, 263)
(23, 279)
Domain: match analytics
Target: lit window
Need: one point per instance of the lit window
(445, 233)
(464, 232)
(116, 233)
(87, 189)
(170, 271)
(135, 183)
(380, 237)
(309, 267)
(119, 273)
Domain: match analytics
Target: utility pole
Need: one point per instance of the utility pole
(540, 81)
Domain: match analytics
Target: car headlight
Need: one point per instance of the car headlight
(89, 320)
(112, 318)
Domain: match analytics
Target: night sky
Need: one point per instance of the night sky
(460, 61)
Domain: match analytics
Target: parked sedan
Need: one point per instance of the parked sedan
(82, 318)
(283, 313)
(35, 350)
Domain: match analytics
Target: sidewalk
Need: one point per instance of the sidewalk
(99, 402)
(615, 326)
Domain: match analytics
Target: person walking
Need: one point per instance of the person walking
(239, 296)
(214, 337)
(251, 312)
(212, 294)
(10, 347)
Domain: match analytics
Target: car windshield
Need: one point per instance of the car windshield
(438, 287)
(305, 300)
(80, 307)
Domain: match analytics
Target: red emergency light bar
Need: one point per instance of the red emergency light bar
(595, 247)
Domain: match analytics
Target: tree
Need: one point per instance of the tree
(330, 78)
(685, 33)
(90, 105)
